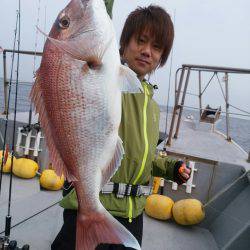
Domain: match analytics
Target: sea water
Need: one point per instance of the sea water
(239, 128)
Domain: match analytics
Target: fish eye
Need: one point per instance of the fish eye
(64, 22)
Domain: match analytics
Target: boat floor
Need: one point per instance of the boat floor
(40, 230)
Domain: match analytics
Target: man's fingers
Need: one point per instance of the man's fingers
(187, 170)
(186, 176)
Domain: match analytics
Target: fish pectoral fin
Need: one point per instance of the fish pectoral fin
(129, 81)
(69, 48)
(92, 55)
(62, 45)
(110, 170)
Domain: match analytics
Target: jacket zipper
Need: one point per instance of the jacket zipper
(145, 155)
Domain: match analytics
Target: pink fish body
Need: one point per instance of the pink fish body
(77, 94)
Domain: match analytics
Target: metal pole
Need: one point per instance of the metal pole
(227, 106)
(182, 103)
(200, 95)
(25, 52)
(248, 160)
(5, 84)
(175, 86)
(5, 81)
(176, 107)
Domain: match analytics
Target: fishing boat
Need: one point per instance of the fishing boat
(220, 178)
(30, 217)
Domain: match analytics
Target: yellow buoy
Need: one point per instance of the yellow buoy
(25, 168)
(159, 206)
(50, 180)
(156, 184)
(7, 165)
(188, 212)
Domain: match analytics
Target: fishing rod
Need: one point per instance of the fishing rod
(8, 104)
(34, 215)
(163, 151)
(5, 243)
(8, 217)
(28, 128)
(168, 98)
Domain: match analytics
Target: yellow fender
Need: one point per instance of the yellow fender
(25, 168)
(7, 165)
(159, 206)
(50, 180)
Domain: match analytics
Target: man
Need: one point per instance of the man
(145, 44)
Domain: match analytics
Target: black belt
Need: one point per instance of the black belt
(123, 189)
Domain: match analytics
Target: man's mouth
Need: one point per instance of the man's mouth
(143, 61)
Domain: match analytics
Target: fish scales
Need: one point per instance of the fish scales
(78, 97)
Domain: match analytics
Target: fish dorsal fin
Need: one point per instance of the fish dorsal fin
(128, 80)
(55, 157)
(114, 164)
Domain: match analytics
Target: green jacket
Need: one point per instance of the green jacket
(139, 131)
(109, 6)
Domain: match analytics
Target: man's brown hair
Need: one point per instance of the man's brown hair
(156, 21)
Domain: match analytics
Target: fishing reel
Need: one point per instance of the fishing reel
(29, 127)
(11, 245)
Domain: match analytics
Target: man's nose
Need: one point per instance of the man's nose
(146, 50)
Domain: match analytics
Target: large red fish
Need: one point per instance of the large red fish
(77, 94)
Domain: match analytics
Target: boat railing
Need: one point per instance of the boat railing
(181, 87)
(6, 82)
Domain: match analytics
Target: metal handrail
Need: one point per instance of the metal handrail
(5, 81)
(216, 69)
(185, 70)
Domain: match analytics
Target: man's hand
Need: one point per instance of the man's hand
(185, 171)
(181, 172)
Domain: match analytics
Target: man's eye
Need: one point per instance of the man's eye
(141, 40)
(157, 47)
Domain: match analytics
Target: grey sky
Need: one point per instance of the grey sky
(210, 32)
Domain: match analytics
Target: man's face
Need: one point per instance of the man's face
(143, 54)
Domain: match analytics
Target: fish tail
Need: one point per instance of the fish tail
(97, 228)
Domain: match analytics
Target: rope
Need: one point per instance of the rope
(223, 112)
(244, 111)
(208, 83)
(221, 87)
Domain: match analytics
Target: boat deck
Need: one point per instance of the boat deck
(219, 232)
(40, 230)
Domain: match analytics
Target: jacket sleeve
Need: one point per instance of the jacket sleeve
(164, 167)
